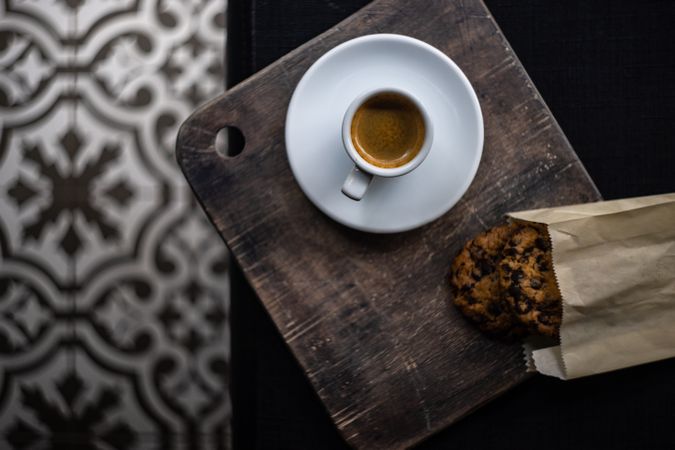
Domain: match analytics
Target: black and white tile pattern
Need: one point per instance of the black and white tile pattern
(113, 286)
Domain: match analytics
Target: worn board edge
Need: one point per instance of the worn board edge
(248, 83)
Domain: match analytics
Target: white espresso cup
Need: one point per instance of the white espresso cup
(358, 180)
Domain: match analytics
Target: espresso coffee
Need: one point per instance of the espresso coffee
(388, 130)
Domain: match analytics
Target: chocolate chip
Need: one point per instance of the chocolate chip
(486, 268)
(551, 303)
(517, 275)
(543, 266)
(510, 251)
(544, 318)
(494, 309)
(477, 318)
(514, 291)
(535, 283)
(506, 268)
(528, 250)
(541, 244)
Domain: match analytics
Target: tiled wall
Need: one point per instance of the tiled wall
(113, 286)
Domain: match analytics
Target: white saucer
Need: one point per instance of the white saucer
(313, 125)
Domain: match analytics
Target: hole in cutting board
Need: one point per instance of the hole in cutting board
(229, 141)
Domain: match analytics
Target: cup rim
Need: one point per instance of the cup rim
(364, 165)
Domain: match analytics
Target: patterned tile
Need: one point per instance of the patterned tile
(114, 293)
(76, 391)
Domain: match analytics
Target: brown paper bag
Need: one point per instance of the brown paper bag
(615, 265)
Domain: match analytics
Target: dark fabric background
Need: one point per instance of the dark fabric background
(607, 71)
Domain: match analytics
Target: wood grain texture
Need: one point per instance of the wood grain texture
(368, 316)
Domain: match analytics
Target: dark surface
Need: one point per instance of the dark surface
(607, 73)
(368, 316)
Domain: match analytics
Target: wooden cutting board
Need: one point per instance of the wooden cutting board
(368, 316)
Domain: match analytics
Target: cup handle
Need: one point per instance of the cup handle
(356, 184)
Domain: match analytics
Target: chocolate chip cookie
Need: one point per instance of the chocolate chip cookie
(474, 278)
(527, 280)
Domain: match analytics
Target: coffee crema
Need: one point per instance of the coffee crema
(388, 130)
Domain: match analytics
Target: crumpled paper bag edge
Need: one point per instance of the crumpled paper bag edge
(549, 360)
